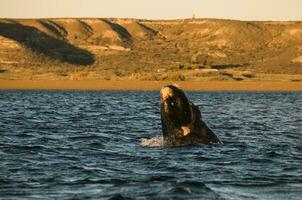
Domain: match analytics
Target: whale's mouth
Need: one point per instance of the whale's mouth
(175, 106)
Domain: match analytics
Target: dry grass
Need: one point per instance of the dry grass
(129, 49)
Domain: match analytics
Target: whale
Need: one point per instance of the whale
(181, 120)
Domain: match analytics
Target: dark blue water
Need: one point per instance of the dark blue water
(86, 145)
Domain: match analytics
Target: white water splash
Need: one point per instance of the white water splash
(152, 142)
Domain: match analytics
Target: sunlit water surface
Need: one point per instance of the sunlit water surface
(106, 144)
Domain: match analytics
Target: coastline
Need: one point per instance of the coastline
(148, 85)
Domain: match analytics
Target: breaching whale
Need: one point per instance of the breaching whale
(181, 120)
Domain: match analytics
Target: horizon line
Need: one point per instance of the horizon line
(150, 19)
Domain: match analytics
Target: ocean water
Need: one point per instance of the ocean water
(106, 145)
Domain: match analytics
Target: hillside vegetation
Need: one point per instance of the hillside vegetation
(132, 49)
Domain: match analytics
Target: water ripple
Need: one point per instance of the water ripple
(107, 145)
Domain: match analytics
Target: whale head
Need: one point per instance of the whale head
(181, 119)
(175, 105)
(177, 114)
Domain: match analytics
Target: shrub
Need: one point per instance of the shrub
(2, 70)
(181, 66)
(248, 75)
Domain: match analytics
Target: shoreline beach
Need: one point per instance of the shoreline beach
(148, 85)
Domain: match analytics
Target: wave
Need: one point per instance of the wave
(152, 142)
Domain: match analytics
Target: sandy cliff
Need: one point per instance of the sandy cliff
(131, 49)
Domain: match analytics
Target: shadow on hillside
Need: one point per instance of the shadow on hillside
(50, 26)
(123, 33)
(226, 66)
(40, 42)
(150, 30)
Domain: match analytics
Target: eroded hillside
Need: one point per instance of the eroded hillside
(117, 49)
